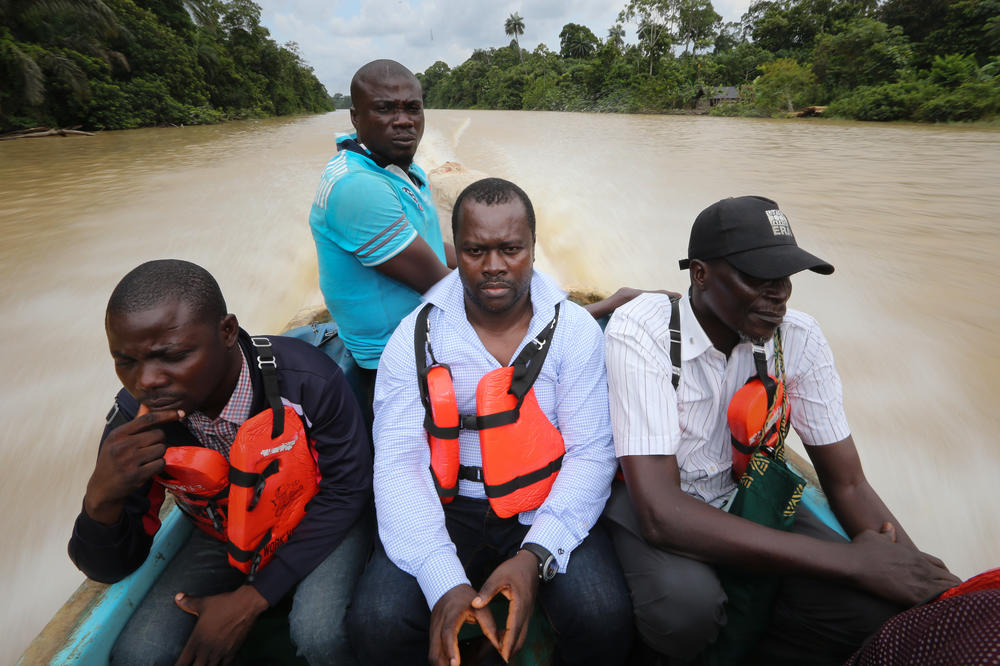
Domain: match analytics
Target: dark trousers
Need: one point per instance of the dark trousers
(158, 630)
(588, 606)
(679, 603)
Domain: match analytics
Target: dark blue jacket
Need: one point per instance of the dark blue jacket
(307, 378)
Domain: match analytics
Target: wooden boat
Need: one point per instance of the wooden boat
(84, 630)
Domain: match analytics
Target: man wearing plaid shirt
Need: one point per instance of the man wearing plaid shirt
(439, 567)
(190, 378)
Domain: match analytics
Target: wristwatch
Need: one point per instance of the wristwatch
(547, 565)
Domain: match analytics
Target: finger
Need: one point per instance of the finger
(888, 530)
(151, 419)
(512, 632)
(488, 624)
(522, 635)
(450, 642)
(147, 454)
(151, 469)
(188, 604)
(485, 594)
(935, 561)
(187, 655)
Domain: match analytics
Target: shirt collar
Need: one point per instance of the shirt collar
(694, 339)
(350, 143)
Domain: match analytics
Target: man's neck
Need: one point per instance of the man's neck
(220, 398)
(722, 337)
(501, 332)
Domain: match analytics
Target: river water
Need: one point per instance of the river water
(908, 215)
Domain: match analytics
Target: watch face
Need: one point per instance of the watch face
(550, 569)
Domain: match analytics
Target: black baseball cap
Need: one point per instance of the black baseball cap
(752, 235)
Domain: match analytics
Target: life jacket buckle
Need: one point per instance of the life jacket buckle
(258, 490)
(470, 473)
(254, 565)
(214, 516)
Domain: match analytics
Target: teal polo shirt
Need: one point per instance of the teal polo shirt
(362, 216)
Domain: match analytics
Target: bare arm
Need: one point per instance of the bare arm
(672, 520)
(855, 503)
(417, 266)
(608, 305)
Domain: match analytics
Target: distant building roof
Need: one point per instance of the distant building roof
(726, 92)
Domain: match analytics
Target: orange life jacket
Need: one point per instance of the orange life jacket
(758, 413)
(255, 500)
(521, 450)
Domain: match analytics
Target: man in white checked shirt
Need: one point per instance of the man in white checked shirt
(442, 563)
(675, 452)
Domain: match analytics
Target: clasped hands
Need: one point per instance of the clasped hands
(516, 579)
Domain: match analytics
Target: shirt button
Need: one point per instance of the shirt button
(560, 551)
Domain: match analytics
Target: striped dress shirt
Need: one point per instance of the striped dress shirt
(650, 418)
(571, 391)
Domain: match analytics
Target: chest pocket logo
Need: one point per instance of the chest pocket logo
(413, 196)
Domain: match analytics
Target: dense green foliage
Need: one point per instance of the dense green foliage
(114, 64)
(924, 60)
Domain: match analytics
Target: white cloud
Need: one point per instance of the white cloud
(338, 37)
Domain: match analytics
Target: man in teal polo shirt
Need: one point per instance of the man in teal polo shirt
(377, 234)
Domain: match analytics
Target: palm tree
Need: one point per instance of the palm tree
(514, 27)
(32, 50)
(616, 36)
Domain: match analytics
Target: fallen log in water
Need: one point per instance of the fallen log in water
(37, 132)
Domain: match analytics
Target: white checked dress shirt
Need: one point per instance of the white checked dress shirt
(571, 391)
(650, 418)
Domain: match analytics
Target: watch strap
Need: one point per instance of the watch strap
(542, 554)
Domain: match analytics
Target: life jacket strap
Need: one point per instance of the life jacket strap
(675, 342)
(252, 556)
(515, 484)
(527, 367)
(268, 366)
(255, 480)
(465, 473)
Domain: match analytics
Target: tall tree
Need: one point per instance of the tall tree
(514, 27)
(782, 83)
(616, 37)
(656, 21)
(697, 23)
(577, 41)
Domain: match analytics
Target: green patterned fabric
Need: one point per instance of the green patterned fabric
(769, 493)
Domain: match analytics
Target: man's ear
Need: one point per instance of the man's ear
(699, 273)
(229, 330)
(354, 117)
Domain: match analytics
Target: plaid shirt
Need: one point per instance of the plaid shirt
(219, 433)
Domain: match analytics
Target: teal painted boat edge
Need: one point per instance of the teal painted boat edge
(814, 498)
(91, 641)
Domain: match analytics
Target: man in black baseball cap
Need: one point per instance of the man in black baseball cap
(677, 373)
(754, 236)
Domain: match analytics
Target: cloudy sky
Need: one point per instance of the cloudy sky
(338, 36)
